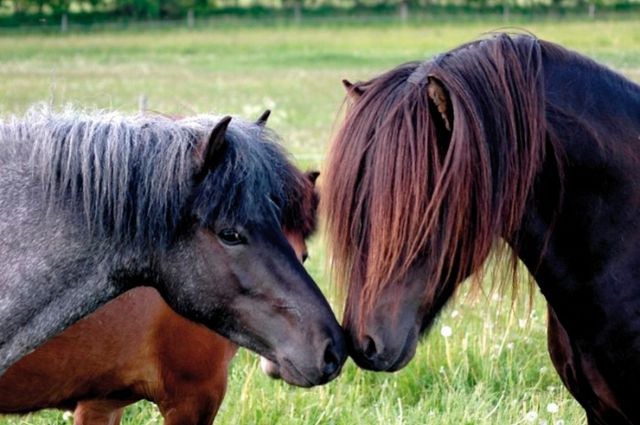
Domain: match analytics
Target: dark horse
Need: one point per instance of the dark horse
(93, 205)
(507, 138)
(135, 347)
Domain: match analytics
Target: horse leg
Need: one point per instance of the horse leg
(561, 355)
(593, 420)
(98, 412)
(582, 380)
(199, 410)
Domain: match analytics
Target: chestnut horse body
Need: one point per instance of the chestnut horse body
(136, 347)
(510, 138)
(133, 348)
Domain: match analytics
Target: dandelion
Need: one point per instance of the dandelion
(522, 323)
(510, 346)
(67, 416)
(455, 313)
(543, 370)
(446, 331)
(559, 422)
(531, 416)
(543, 422)
(552, 408)
(269, 103)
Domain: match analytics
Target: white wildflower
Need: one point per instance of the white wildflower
(446, 331)
(552, 408)
(269, 103)
(531, 416)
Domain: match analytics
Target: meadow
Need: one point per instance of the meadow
(485, 360)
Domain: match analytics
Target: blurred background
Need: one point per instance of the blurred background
(485, 360)
(66, 13)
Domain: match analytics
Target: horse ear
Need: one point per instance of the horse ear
(312, 176)
(353, 91)
(215, 145)
(262, 121)
(438, 96)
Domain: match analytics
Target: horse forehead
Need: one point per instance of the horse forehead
(262, 222)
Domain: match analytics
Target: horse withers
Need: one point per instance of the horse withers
(508, 138)
(93, 205)
(135, 347)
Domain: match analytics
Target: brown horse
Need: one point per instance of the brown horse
(135, 348)
(507, 138)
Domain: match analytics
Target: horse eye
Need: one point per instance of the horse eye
(230, 237)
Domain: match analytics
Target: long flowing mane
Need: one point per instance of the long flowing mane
(131, 177)
(414, 188)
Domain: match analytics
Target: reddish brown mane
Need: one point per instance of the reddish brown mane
(299, 214)
(415, 188)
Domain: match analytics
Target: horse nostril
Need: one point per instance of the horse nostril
(331, 360)
(370, 349)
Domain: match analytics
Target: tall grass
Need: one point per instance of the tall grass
(485, 359)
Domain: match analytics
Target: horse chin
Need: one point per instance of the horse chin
(408, 353)
(290, 372)
(389, 360)
(269, 368)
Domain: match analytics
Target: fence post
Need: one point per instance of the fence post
(297, 11)
(143, 104)
(505, 12)
(64, 23)
(403, 11)
(190, 18)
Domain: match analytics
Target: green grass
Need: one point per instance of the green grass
(493, 369)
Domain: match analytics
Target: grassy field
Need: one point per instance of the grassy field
(492, 369)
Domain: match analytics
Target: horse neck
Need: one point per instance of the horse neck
(52, 273)
(598, 99)
(578, 244)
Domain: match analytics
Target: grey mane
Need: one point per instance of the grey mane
(132, 177)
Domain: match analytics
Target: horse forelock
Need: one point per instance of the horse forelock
(399, 189)
(255, 181)
(132, 176)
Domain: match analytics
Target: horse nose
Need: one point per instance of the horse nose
(368, 353)
(371, 348)
(333, 358)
